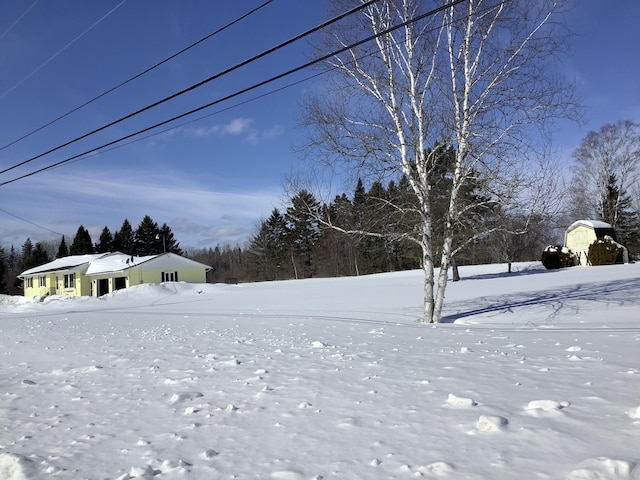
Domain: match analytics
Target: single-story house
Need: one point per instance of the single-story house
(583, 233)
(98, 274)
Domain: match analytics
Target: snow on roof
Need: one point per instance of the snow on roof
(116, 262)
(111, 262)
(64, 263)
(589, 223)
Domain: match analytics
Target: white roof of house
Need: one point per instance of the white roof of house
(115, 262)
(102, 263)
(589, 223)
(64, 263)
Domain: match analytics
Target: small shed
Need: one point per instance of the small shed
(583, 233)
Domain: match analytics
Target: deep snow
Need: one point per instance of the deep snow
(535, 375)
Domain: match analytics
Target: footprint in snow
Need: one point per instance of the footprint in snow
(287, 475)
(462, 402)
(604, 468)
(183, 396)
(490, 423)
(539, 408)
(634, 413)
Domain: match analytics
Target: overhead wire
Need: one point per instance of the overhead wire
(195, 86)
(114, 143)
(45, 63)
(17, 20)
(138, 75)
(242, 91)
(29, 222)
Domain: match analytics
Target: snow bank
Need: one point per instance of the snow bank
(532, 374)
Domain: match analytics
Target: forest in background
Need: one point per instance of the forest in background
(309, 238)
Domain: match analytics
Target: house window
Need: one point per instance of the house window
(169, 276)
(42, 280)
(28, 282)
(70, 280)
(119, 283)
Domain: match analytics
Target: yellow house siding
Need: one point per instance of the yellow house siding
(154, 275)
(36, 289)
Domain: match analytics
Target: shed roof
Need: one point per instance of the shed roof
(589, 223)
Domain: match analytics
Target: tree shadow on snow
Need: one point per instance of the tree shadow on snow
(570, 299)
(533, 270)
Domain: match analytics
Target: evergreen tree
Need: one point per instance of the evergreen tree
(169, 243)
(374, 256)
(616, 209)
(3, 272)
(124, 239)
(335, 252)
(40, 255)
(148, 240)
(303, 232)
(359, 198)
(13, 265)
(63, 251)
(82, 243)
(105, 242)
(37, 256)
(268, 248)
(27, 249)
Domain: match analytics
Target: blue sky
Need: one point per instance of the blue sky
(212, 180)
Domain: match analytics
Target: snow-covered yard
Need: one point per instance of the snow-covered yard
(534, 375)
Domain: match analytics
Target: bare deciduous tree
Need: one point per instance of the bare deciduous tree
(476, 74)
(611, 152)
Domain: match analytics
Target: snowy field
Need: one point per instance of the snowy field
(533, 375)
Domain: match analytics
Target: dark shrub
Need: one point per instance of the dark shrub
(605, 252)
(557, 256)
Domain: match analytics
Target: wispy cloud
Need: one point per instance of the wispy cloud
(238, 127)
(198, 215)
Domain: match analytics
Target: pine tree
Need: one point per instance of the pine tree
(14, 264)
(169, 243)
(616, 210)
(124, 239)
(148, 240)
(105, 242)
(27, 249)
(3, 272)
(268, 248)
(82, 243)
(37, 256)
(303, 232)
(63, 251)
(335, 252)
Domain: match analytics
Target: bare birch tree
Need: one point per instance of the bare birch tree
(611, 152)
(477, 75)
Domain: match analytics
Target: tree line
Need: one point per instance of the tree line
(363, 233)
(147, 239)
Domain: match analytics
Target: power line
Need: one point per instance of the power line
(240, 92)
(194, 86)
(29, 222)
(62, 50)
(17, 20)
(230, 107)
(144, 72)
(95, 151)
